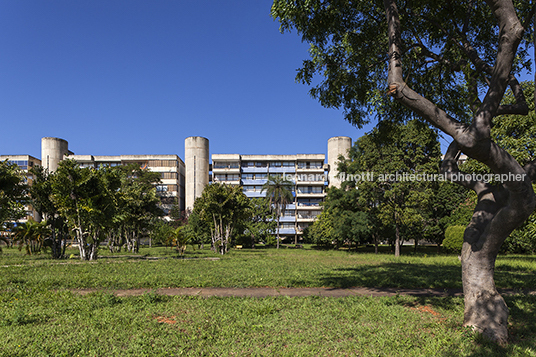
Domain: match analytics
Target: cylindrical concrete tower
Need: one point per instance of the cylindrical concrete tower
(338, 145)
(52, 152)
(196, 159)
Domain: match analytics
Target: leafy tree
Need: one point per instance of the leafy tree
(262, 223)
(401, 162)
(137, 203)
(86, 198)
(32, 235)
(40, 195)
(279, 193)
(13, 191)
(343, 220)
(162, 233)
(223, 209)
(463, 56)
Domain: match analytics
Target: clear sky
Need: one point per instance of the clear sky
(138, 77)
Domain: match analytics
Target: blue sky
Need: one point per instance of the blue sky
(138, 77)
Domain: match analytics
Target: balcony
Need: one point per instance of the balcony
(287, 231)
(283, 169)
(254, 194)
(248, 169)
(254, 182)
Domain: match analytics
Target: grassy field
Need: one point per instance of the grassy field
(41, 317)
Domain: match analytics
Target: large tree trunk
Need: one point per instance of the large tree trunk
(501, 207)
(485, 309)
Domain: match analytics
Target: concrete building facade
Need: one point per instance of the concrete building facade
(309, 174)
(183, 182)
(196, 157)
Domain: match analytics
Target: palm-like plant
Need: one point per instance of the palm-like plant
(279, 193)
(31, 235)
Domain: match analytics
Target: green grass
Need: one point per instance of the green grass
(254, 268)
(100, 324)
(39, 316)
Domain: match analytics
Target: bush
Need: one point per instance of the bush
(454, 238)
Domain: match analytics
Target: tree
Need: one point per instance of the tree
(40, 195)
(262, 223)
(86, 198)
(279, 193)
(401, 161)
(32, 235)
(462, 56)
(13, 191)
(224, 209)
(343, 220)
(137, 203)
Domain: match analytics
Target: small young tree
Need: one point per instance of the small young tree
(224, 209)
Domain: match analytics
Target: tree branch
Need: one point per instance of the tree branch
(520, 107)
(449, 167)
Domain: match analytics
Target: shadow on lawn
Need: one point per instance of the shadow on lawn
(394, 275)
(404, 275)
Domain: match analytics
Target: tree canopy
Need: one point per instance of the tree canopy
(448, 64)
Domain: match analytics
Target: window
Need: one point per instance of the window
(275, 164)
(170, 175)
(288, 164)
(289, 213)
(161, 188)
(226, 177)
(310, 165)
(225, 165)
(286, 225)
(310, 189)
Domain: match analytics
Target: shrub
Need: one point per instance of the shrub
(454, 238)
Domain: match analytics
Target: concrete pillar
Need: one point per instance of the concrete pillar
(52, 152)
(338, 145)
(196, 162)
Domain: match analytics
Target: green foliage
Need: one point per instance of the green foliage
(31, 235)
(262, 224)
(221, 210)
(348, 48)
(378, 181)
(279, 193)
(162, 233)
(454, 238)
(13, 190)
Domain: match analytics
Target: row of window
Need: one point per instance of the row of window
(163, 163)
(310, 189)
(226, 177)
(166, 188)
(170, 175)
(225, 165)
(236, 164)
(23, 164)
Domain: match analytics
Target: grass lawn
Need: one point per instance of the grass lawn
(40, 317)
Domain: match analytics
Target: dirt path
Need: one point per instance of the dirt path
(292, 292)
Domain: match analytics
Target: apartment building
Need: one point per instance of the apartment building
(306, 172)
(171, 168)
(183, 182)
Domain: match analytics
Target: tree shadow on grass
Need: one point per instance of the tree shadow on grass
(394, 275)
(405, 275)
